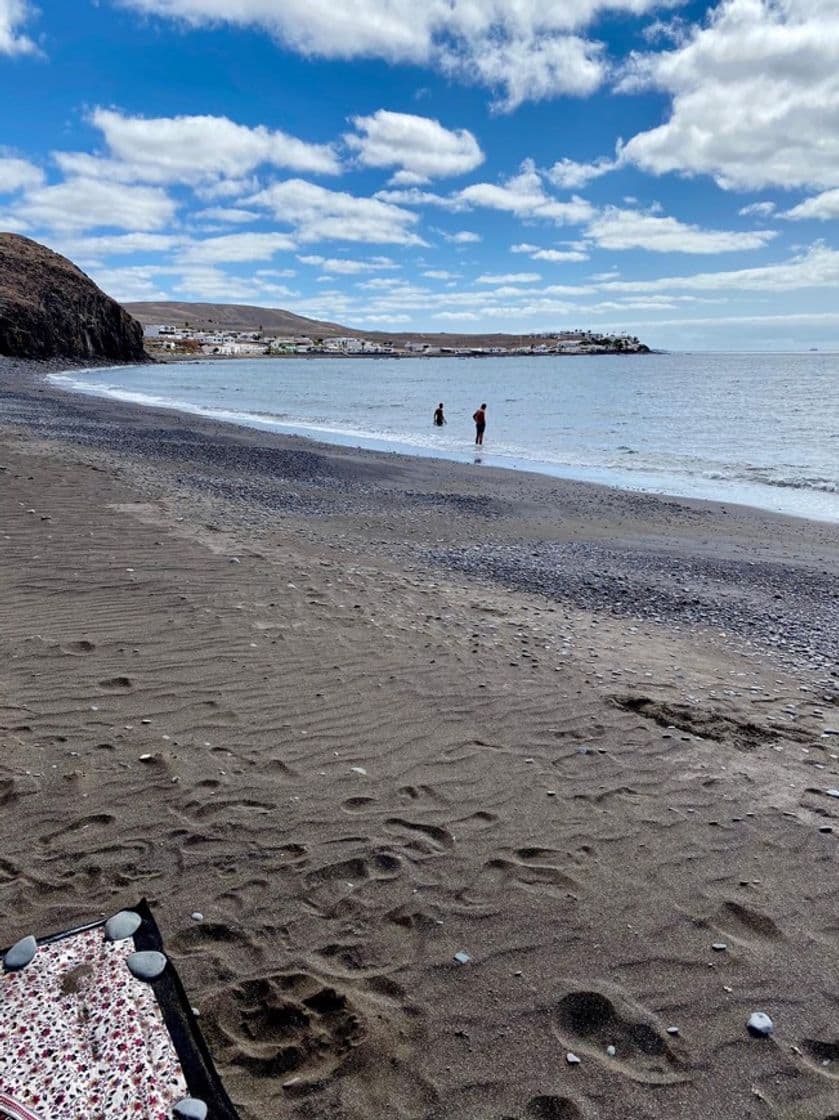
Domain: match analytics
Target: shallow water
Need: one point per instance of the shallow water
(761, 429)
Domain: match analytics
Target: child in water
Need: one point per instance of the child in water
(439, 418)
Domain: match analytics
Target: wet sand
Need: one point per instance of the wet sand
(365, 712)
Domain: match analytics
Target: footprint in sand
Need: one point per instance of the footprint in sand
(587, 1021)
(553, 1108)
(529, 871)
(79, 647)
(117, 684)
(743, 922)
(357, 804)
(420, 840)
(283, 1025)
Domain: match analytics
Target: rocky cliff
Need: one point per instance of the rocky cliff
(49, 308)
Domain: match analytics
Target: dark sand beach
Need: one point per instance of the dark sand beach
(364, 712)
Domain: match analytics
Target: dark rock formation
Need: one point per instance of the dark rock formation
(49, 308)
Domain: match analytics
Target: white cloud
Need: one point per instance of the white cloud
(345, 267)
(440, 274)
(13, 15)
(240, 247)
(18, 174)
(822, 207)
(133, 283)
(568, 174)
(79, 204)
(757, 210)
(525, 49)
(412, 196)
(524, 196)
(817, 267)
(422, 148)
(551, 255)
(463, 237)
(530, 67)
(630, 229)
(755, 97)
(114, 245)
(319, 214)
(233, 214)
(461, 316)
(510, 278)
(191, 150)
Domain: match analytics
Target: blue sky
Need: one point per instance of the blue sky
(666, 168)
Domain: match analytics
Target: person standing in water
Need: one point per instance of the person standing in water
(480, 418)
(439, 418)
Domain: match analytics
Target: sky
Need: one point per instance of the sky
(661, 167)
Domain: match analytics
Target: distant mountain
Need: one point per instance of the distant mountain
(50, 309)
(233, 316)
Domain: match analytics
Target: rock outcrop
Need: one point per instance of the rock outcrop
(50, 309)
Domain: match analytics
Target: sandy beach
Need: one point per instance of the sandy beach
(365, 712)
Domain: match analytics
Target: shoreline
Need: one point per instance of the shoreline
(366, 713)
(348, 441)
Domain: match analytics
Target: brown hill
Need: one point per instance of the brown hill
(233, 317)
(275, 321)
(49, 308)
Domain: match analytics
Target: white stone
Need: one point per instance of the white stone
(462, 957)
(572, 1059)
(190, 1108)
(760, 1024)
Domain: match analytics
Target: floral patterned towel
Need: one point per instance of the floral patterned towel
(81, 1038)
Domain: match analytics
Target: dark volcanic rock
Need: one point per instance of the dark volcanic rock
(49, 308)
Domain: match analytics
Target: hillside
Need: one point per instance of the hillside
(49, 308)
(276, 321)
(232, 316)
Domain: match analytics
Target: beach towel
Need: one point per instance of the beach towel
(95, 1025)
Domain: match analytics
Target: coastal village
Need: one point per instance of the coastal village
(161, 339)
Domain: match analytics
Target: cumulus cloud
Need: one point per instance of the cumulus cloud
(524, 50)
(420, 147)
(18, 174)
(524, 196)
(817, 267)
(191, 150)
(510, 278)
(13, 15)
(462, 237)
(347, 267)
(757, 210)
(240, 247)
(80, 203)
(319, 214)
(822, 207)
(755, 97)
(551, 255)
(569, 174)
(630, 229)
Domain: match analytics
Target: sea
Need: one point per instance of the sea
(755, 429)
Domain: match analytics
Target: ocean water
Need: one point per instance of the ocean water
(759, 429)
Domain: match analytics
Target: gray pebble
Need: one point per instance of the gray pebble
(197, 916)
(719, 946)
(122, 925)
(20, 954)
(147, 965)
(190, 1108)
(572, 1059)
(462, 958)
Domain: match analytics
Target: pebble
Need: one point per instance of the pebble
(673, 1030)
(147, 965)
(572, 1059)
(462, 957)
(611, 1051)
(760, 1025)
(122, 925)
(719, 946)
(832, 792)
(358, 770)
(197, 916)
(20, 954)
(190, 1108)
